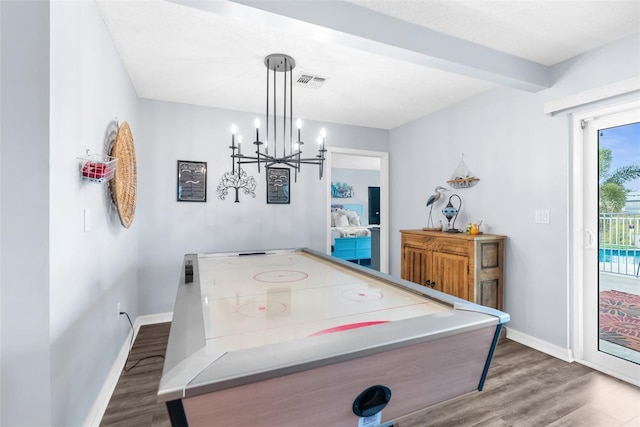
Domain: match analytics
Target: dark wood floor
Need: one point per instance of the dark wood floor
(134, 401)
(524, 388)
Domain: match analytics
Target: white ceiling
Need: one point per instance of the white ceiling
(386, 62)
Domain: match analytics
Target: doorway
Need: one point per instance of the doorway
(354, 158)
(604, 263)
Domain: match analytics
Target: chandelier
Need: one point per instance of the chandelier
(277, 149)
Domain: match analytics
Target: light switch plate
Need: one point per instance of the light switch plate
(542, 217)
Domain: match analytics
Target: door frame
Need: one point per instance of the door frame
(384, 199)
(579, 234)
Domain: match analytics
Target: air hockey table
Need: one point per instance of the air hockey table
(298, 338)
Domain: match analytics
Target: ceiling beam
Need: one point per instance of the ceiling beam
(360, 28)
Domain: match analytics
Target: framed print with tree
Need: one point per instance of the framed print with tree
(278, 188)
(192, 181)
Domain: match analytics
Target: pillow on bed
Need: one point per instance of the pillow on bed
(354, 219)
(335, 213)
(342, 220)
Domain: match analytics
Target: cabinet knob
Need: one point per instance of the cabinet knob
(433, 285)
(428, 283)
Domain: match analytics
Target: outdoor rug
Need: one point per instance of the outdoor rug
(620, 319)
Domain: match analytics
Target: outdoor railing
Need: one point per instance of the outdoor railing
(619, 239)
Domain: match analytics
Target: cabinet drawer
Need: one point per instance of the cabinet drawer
(439, 243)
(351, 248)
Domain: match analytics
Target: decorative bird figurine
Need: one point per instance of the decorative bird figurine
(432, 201)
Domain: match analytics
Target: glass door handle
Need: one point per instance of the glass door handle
(589, 239)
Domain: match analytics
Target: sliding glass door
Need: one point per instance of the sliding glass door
(608, 243)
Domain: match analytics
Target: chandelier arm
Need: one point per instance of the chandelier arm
(247, 159)
(260, 156)
(284, 110)
(265, 158)
(290, 156)
(266, 148)
(311, 161)
(275, 114)
(290, 110)
(270, 161)
(291, 165)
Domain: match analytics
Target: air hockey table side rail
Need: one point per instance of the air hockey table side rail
(424, 360)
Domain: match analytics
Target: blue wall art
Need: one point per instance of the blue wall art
(341, 190)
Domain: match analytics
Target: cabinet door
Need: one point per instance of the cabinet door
(414, 265)
(450, 274)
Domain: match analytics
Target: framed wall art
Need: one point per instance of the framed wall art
(278, 188)
(192, 181)
(341, 190)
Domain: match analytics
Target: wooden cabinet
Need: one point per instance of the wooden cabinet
(467, 266)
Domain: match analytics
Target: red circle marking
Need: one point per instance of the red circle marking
(348, 327)
(280, 276)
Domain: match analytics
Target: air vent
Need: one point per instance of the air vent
(308, 80)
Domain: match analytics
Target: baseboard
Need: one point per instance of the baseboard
(540, 345)
(109, 385)
(102, 400)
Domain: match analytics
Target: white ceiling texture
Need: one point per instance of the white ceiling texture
(385, 62)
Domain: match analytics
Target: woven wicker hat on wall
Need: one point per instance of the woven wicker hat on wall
(124, 182)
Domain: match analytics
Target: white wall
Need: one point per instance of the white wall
(1, 223)
(90, 272)
(169, 229)
(24, 226)
(521, 157)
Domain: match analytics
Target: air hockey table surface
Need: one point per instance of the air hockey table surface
(293, 337)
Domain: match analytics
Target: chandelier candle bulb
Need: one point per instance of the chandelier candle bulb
(257, 125)
(234, 129)
(239, 144)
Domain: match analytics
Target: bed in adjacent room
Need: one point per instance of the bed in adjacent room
(350, 240)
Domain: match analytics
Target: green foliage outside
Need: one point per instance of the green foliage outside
(613, 194)
(616, 230)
